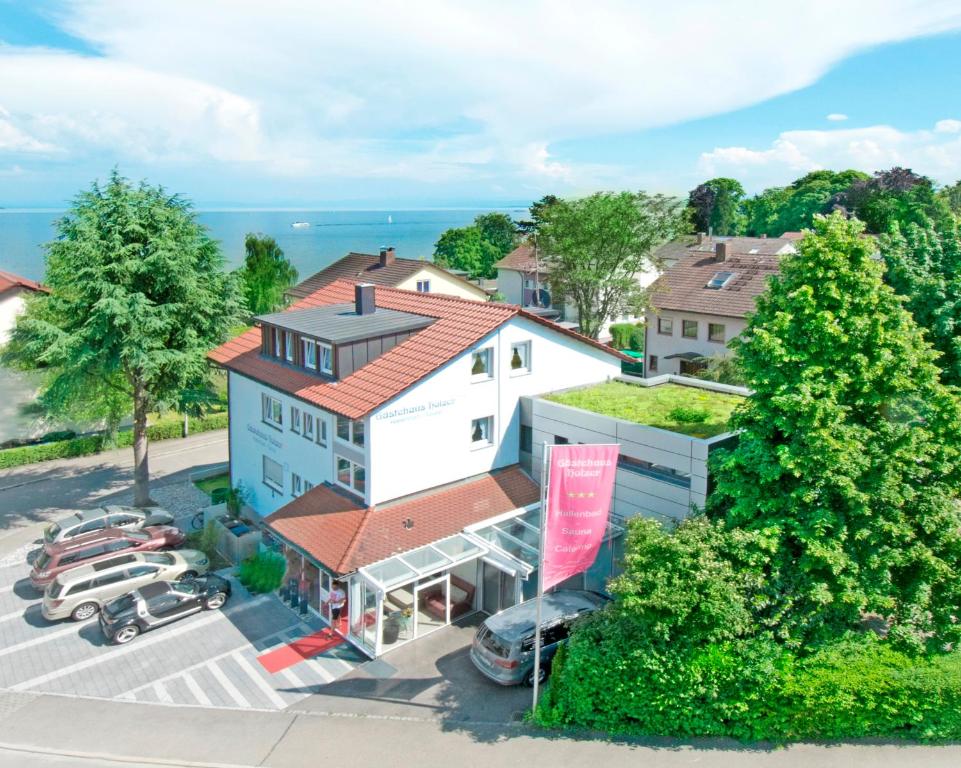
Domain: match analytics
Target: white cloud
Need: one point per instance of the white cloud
(434, 91)
(936, 153)
(837, 117)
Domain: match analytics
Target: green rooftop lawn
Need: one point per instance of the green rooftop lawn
(652, 405)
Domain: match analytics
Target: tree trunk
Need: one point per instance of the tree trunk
(141, 471)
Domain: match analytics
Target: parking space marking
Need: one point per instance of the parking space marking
(17, 614)
(8, 588)
(162, 694)
(275, 698)
(196, 691)
(136, 646)
(228, 686)
(35, 641)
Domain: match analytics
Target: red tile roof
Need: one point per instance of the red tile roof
(460, 324)
(8, 280)
(522, 259)
(344, 536)
(366, 268)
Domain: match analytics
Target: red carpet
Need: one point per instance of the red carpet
(295, 652)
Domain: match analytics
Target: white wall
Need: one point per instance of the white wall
(663, 345)
(11, 305)
(251, 439)
(422, 438)
(510, 283)
(443, 283)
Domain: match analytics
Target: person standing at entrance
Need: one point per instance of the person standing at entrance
(336, 602)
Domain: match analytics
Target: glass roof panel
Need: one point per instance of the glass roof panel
(458, 547)
(390, 572)
(425, 559)
(528, 535)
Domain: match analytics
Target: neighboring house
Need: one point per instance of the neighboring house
(701, 301)
(388, 270)
(378, 434)
(523, 279)
(13, 289)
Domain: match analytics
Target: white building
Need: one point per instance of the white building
(13, 290)
(378, 433)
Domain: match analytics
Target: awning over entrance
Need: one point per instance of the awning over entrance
(429, 559)
(684, 356)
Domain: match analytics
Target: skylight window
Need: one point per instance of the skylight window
(720, 279)
(753, 250)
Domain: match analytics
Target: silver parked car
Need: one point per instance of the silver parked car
(85, 521)
(81, 592)
(503, 648)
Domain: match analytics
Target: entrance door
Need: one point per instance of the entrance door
(498, 589)
(691, 367)
(432, 599)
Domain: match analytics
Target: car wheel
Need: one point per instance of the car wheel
(544, 672)
(215, 601)
(84, 611)
(187, 575)
(126, 634)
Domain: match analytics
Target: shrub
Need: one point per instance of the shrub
(685, 415)
(628, 336)
(262, 573)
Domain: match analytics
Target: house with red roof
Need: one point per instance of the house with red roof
(378, 434)
(13, 290)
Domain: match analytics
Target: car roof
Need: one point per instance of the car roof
(90, 570)
(154, 589)
(87, 539)
(517, 621)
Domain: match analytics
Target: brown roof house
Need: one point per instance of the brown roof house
(700, 303)
(378, 434)
(13, 289)
(388, 270)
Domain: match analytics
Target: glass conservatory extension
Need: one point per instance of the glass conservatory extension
(487, 566)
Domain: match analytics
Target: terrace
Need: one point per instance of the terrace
(687, 410)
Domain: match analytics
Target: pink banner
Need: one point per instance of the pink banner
(579, 490)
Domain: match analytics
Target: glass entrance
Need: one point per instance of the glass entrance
(498, 589)
(432, 599)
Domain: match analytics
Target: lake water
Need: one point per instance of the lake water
(331, 234)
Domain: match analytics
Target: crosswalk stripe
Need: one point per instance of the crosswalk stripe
(196, 691)
(289, 675)
(162, 694)
(228, 686)
(264, 686)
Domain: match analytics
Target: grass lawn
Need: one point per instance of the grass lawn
(210, 484)
(652, 405)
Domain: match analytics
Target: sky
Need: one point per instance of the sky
(450, 104)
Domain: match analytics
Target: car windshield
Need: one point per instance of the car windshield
(54, 589)
(51, 532)
(42, 560)
(158, 558)
(137, 536)
(185, 587)
(119, 605)
(495, 644)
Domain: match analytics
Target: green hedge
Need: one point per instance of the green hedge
(628, 336)
(262, 573)
(90, 444)
(752, 690)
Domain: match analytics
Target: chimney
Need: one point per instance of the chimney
(720, 252)
(387, 255)
(700, 238)
(364, 299)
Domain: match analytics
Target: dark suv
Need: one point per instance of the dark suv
(159, 603)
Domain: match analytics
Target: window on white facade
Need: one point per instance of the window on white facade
(309, 426)
(277, 342)
(689, 329)
(351, 475)
(423, 286)
(326, 359)
(289, 347)
(296, 485)
(482, 366)
(310, 353)
(716, 332)
(652, 363)
(272, 410)
(350, 431)
(521, 357)
(294, 418)
(273, 474)
(665, 326)
(322, 431)
(308, 486)
(481, 432)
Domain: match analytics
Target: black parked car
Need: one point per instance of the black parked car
(160, 603)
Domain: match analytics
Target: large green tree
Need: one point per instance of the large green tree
(498, 229)
(895, 196)
(789, 209)
(138, 296)
(266, 274)
(464, 248)
(595, 247)
(924, 265)
(847, 463)
(951, 196)
(715, 206)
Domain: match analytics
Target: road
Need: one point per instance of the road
(32, 495)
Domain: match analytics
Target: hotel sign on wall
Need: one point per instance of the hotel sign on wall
(579, 489)
(415, 412)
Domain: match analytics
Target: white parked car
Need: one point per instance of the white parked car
(85, 521)
(82, 591)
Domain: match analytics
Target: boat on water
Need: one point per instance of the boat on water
(390, 219)
(300, 224)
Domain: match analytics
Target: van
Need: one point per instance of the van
(81, 592)
(503, 648)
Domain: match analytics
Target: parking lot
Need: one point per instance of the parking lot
(208, 659)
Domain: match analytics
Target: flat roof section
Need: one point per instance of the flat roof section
(658, 406)
(340, 323)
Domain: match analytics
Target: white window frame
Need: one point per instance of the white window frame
(288, 346)
(322, 431)
(267, 481)
(325, 358)
(484, 442)
(353, 467)
(308, 486)
(278, 353)
(352, 431)
(269, 406)
(295, 419)
(525, 358)
(487, 375)
(308, 351)
(308, 425)
(423, 286)
(661, 321)
(296, 485)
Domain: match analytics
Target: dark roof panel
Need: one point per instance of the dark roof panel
(340, 323)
